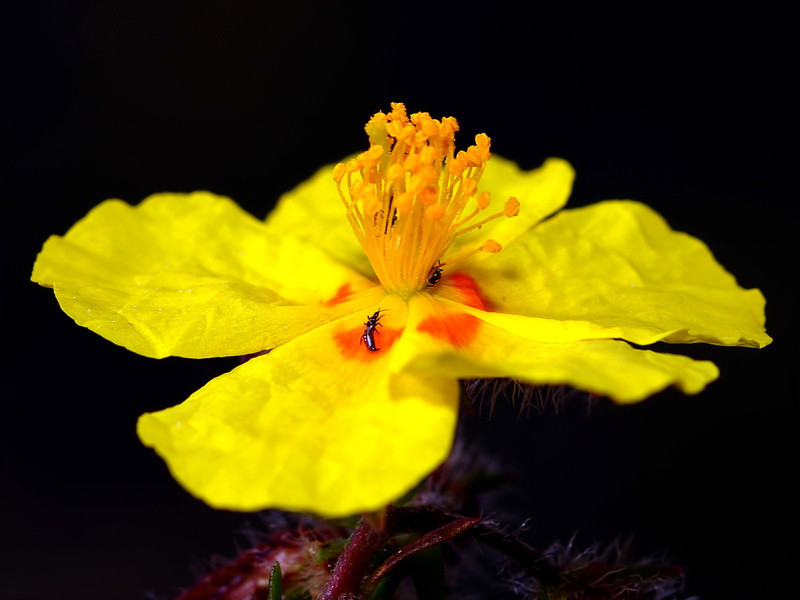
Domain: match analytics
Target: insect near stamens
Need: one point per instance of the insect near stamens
(368, 337)
(435, 276)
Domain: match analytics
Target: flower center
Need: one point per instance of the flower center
(410, 196)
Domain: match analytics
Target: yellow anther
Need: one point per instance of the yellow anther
(474, 156)
(339, 172)
(374, 153)
(394, 129)
(371, 203)
(429, 195)
(449, 127)
(407, 132)
(434, 212)
(396, 173)
(483, 141)
(483, 200)
(430, 127)
(491, 246)
(413, 163)
(511, 208)
(399, 111)
(403, 202)
(417, 183)
(457, 165)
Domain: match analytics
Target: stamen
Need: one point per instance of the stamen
(511, 209)
(405, 196)
(489, 246)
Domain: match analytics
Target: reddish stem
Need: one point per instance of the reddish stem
(349, 571)
(428, 540)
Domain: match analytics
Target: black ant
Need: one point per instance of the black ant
(368, 337)
(435, 276)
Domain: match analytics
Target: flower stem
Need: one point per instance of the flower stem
(350, 568)
(534, 562)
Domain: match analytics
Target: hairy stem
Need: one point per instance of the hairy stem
(349, 571)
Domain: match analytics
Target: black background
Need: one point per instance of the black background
(690, 110)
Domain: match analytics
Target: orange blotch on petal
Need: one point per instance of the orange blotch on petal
(457, 329)
(340, 295)
(352, 346)
(468, 289)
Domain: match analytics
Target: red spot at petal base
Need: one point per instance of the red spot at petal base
(341, 294)
(352, 346)
(468, 289)
(458, 329)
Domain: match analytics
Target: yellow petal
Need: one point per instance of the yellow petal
(309, 427)
(607, 367)
(619, 267)
(189, 275)
(540, 192)
(314, 213)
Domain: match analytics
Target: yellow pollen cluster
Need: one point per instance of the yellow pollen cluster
(406, 197)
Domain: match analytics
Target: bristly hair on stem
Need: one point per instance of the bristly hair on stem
(468, 478)
(544, 400)
(290, 539)
(609, 572)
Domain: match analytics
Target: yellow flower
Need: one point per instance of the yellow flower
(448, 276)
